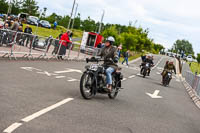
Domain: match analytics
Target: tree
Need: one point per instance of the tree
(112, 31)
(16, 6)
(88, 25)
(3, 6)
(198, 58)
(183, 45)
(30, 7)
(77, 22)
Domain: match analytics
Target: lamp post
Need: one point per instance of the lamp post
(70, 19)
(75, 15)
(101, 22)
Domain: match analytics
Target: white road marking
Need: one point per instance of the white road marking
(44, 111)
(124, 79)
(157, 63)
(68, 71)
(30, 68)
(14, 126)
(72, 80)
(158, 73)
(60, 77)
(155, 94)
(133, 76)
(138, 74)
(47, 73)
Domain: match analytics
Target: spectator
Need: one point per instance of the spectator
(126, 55)
(119, 50)
(28, 37)
(15, 25)
(6, 26)
(8, 21)
(64, 43)
(5, 35)
(56, 47)
(55, 24)
(19, 35)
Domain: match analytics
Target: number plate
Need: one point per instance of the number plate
(94, 67)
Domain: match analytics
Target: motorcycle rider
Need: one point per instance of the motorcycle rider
(169, 66)
(109, 53)
(149, 60)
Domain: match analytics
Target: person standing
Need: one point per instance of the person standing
(55, 25)
(27, 36)
(19, 35)
(64, 41)
(119, 50)
(126, 55)
(15, 25)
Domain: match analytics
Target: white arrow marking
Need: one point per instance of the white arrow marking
(47, 73)
(154, 95)
(72, 80)
(68, 71)
(60, 77)
(30, 68)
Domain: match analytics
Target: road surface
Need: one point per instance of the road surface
(44, 97)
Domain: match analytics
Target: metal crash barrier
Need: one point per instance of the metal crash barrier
(193, 81)
(21, 45)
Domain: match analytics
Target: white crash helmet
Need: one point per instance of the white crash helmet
(110, 39)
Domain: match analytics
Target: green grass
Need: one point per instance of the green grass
(195, 67)
(45, 32)
(132, 57)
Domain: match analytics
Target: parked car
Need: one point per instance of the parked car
(45, 24)
(33, 20)
(189, 58)
(23, 16)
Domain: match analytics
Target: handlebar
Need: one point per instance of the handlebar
(97, 60)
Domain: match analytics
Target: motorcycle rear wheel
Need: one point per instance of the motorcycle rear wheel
(115, 90)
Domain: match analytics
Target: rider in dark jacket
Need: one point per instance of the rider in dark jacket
(169, 67)
(109, 53)
(149, 60)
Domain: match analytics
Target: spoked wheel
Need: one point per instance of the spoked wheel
(86, 87)
(165, 81)
(115, 89)
(144, 72)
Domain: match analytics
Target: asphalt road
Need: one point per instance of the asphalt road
(29, 89)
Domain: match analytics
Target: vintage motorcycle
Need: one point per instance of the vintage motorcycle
(167, 78)
(93, 80)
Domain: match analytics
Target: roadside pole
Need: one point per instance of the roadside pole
(70, 19)
(101, 21)
(75, 15)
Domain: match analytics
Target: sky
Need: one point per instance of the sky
(167, 20)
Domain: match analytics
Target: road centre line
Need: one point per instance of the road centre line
(16, 125)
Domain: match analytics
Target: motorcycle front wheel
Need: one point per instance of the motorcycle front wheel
(86, 87)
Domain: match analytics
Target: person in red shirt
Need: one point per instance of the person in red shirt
(64, 41)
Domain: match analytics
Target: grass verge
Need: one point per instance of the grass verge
(195, 67)
(45, 32)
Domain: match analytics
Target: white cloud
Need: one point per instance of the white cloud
(167, 20)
